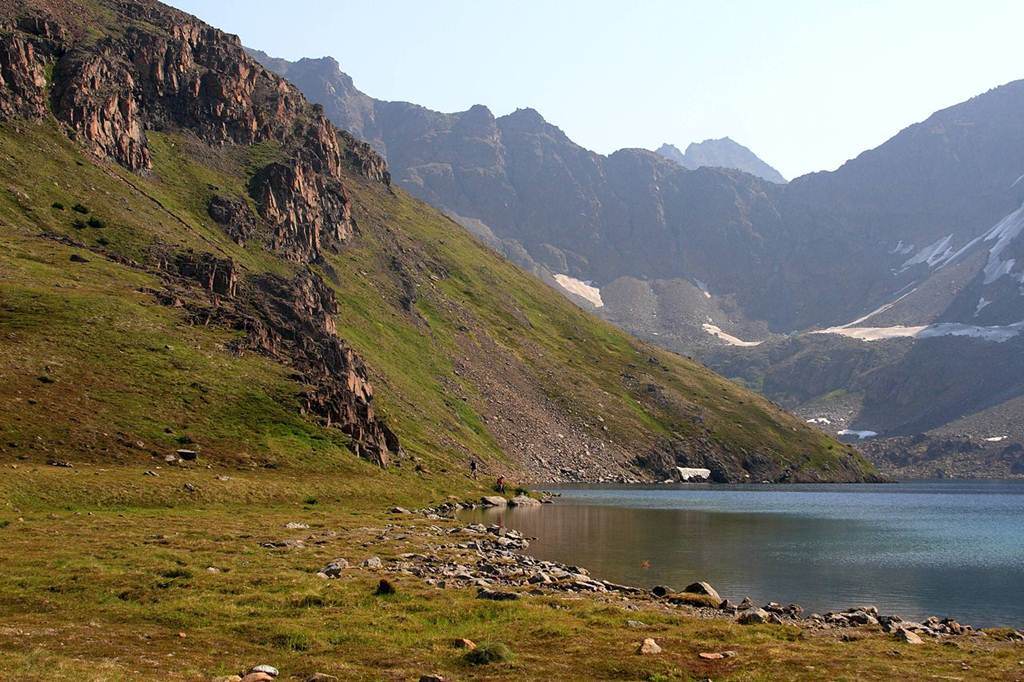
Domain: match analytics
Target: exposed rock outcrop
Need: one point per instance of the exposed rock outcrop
(307, 210)
(291, 320)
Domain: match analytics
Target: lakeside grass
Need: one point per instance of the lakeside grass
(117, 588)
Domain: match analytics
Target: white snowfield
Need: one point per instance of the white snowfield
(728, 338)
(582, 289)
(996, 439)
(996, 333)
(819, 420)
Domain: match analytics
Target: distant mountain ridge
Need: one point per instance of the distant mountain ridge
(721, 153)
(917, 241)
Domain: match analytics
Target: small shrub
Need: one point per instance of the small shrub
(385, 586)
(292, 640)
(57, 205)
(4, 523)
(78, 224)
(310, 500)
(488, 653)
(103, 241)
(96, 222)
(79, 208)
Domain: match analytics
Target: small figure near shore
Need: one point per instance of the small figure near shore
(500, 485)
(473, 467)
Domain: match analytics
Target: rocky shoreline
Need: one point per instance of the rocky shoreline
(494, 560)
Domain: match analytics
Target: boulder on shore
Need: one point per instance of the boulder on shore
(703, 588)
(523, 501)
(493, 501)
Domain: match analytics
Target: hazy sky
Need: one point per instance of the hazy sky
(806, 84)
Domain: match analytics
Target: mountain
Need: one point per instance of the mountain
(721, 153)
(911, 250)
(195, 257)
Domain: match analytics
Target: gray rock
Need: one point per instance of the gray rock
(334, 569)
(373, 563)
(904, 635)
(268, 669)
(753, 616)
(703, 588)
(493, 501)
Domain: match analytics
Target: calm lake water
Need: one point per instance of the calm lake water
(945, 548)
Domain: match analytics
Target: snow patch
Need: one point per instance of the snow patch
(996, 333)
(996, 439)
(1003, 233)
(819, 420)
(703, 288)
(728, 338)
(582, 289)
(934, 254)
(902, 249)
(982, 302)
(861, 435)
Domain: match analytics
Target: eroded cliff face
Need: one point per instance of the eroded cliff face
(108, 91)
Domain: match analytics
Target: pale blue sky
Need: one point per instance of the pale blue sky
(806, 84)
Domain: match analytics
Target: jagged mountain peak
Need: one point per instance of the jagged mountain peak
(722, 152)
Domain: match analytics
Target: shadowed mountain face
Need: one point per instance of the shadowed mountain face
(921, 232)
(721, 153)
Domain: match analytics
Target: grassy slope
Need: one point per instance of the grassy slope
(108, 346)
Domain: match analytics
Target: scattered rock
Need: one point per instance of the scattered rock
(661, 590)
(636, 624)
(373, 563)
(399, 510)
(496, 595)
(295, 525)
(904, 635)
(189, 488)
(60, 463)
(753, 616)
(493, 501)
(321, 677)
(649, 647)
(264, 668)
(333, 569)
(463, 643)
(187, 455)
